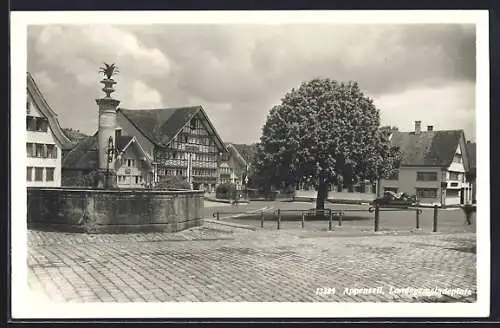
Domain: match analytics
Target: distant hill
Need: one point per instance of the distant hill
(247, 151)
(74, 135)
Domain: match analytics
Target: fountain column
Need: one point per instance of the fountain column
(106, 135)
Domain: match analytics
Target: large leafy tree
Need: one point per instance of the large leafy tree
(325, 132)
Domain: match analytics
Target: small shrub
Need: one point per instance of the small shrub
(172, 182)
(226, 191)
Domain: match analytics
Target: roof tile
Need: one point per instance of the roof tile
(428, 148)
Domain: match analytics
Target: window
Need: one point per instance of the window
(37, 124)
(38, 173)
(454, 176)
(394, 175)
(193, 123)
(427, 193)
(457, 158)
(52, 151)
(43, 125)
(136, 179)
(426, 176)
(39, 150)
(49, 174)
(30, 123)
(128, 163)
(30, 149)
(29, 173)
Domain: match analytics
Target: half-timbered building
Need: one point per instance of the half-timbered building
(180, 141)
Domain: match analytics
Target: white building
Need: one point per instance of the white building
(44, 140)
(433, 166)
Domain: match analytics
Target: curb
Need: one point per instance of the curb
(223, 201)
(231, 224)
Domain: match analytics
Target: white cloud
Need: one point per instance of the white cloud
(81, 50)
(237, 72)
(139, 95)
(445, 107)
(43, 78)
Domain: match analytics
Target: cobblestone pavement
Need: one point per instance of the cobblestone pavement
(223, 263)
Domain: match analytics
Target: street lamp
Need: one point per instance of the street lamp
(110, 151)
(246, 181)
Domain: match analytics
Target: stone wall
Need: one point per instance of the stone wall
(113, 211)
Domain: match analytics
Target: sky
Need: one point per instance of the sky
(238, 72)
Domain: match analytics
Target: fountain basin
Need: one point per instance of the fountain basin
(113, 211)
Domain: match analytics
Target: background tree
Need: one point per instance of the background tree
(328, 132)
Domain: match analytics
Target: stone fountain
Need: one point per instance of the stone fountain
(106, 208)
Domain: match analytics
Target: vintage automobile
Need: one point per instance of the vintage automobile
(393, 199)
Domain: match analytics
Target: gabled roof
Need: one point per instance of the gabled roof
(428, 148)
(122, 142)
(84, 156)
(237, 154)
(43, 106)
(471, 150)
(246, 151)
(161, 126)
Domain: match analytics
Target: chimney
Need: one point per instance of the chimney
(430, 127)
(418, 125)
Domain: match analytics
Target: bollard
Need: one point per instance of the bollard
(377, 217)
(435, 225)
(303, 219)
(418, 218)
(340, 218)
(262, 219)
(217, 215)
(330, 221)
(279, 219)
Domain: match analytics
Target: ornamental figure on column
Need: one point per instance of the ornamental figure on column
(107, 127)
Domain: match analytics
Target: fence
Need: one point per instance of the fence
(333, 215)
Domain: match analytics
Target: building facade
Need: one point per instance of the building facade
(45, 140)
(433, 166)
(234, 168)
(471, 173)
(144, 147)
(180, 141)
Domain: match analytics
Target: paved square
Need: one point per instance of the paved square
(217, 262)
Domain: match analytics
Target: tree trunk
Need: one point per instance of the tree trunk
(322, 194)
(378, 188)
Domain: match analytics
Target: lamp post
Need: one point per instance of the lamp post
(110, 151)
(246, 182)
